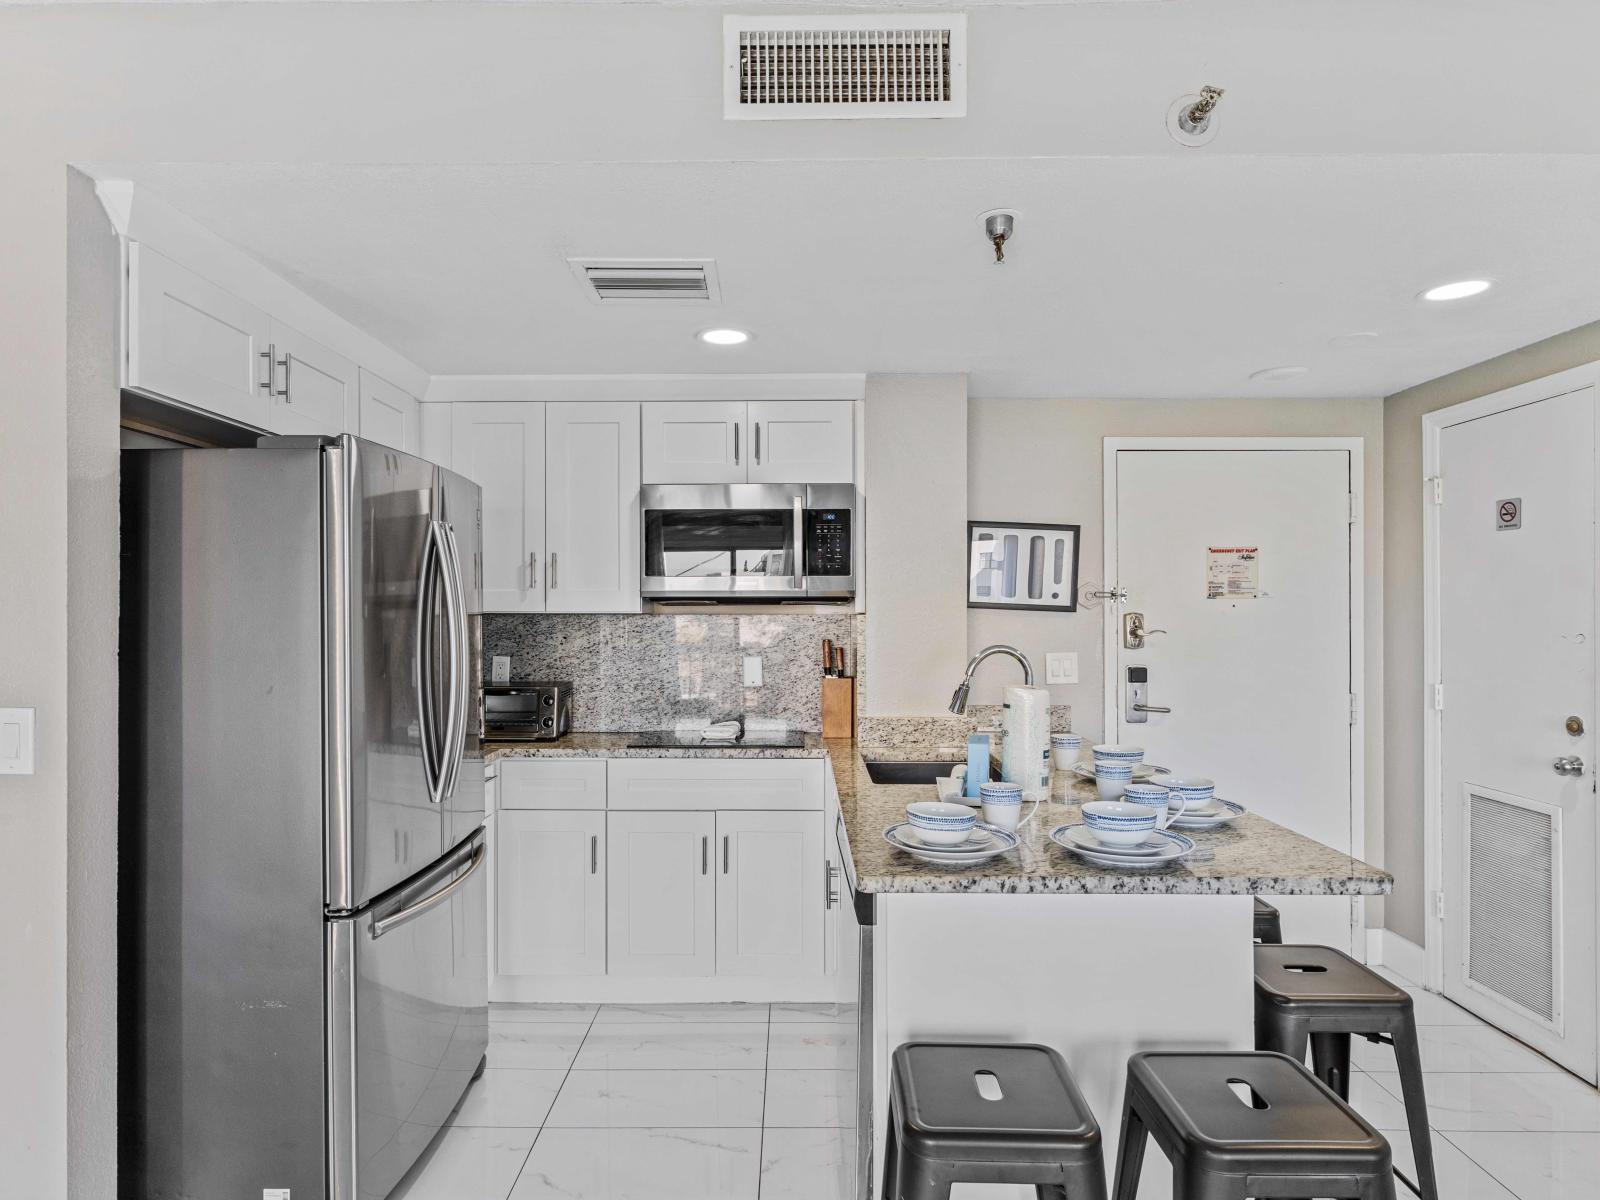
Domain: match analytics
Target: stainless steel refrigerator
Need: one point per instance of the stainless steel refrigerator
(303, 901)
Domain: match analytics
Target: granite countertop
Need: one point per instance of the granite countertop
(1252, 856)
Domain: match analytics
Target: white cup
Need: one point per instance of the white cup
(1002, 805)
(1112, 779)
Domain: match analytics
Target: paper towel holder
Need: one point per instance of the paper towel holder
(958, 700)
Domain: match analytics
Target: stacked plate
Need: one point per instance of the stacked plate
(986, 842)
(1160, 849)
(1212, 815)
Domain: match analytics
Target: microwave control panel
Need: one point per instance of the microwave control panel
(827, 532)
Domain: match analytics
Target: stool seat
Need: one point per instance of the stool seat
(950, 1123)
(1321, 975)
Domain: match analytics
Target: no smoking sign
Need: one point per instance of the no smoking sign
(1508, 514)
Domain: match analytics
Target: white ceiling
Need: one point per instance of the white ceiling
(1346, 177)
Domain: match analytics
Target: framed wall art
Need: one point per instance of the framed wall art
(1021, 564)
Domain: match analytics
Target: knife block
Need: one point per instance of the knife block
(838, 706)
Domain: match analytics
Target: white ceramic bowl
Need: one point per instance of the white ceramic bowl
(1193, 790)
(1151, 795)
(1121, 754)
(1115, 823)
(939, 824)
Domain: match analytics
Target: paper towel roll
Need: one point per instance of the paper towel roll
(1025, 755)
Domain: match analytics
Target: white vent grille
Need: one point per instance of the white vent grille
(623, 281)
(899, 65)
(1512, 850)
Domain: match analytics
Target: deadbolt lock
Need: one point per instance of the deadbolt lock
(1575, 726)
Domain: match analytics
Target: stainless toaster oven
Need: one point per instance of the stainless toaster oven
(522, 712)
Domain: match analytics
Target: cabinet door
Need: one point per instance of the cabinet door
(802, 441)
(550, 893)
(500, 447)
(695, 442)
(193, 342)
(591, 497)
(771, 893)
(561, 783)
(314, 389)
(389, 416)
(661, 912)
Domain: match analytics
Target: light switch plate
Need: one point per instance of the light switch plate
(1061, 666)
(16, 741)
(752, 670)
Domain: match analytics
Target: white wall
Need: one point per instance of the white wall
(1040, 460)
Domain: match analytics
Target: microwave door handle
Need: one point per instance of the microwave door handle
(426, 683)
(798, 581)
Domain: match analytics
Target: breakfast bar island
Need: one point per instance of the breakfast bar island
(1036, 945)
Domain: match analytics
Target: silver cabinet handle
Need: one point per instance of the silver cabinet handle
(533, 569)
(830, 894)
(550, 575)
(1150, 708)
(724, 854)
(284, 391)
(758, 443)
(705, 855)
(381, 927)
(736, 443)
(594, 854)
(1568, 764)
(271, 355)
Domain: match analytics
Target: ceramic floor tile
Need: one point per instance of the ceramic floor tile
(578, 1014)
(642, 1164)
(674, 1046)
(644, 1099)
(819, 1013)
(504, 1097)
(1394, 976)
(1537, 1166)
(811, 1099)
(1459, 1177)
(1455, 1048)
(1433, 1009)
(1550, 1102)
(468, 1164)
(1375, 1102)
(639, 1014)
(802, 1046)
(808, 1164)
(540, 1046)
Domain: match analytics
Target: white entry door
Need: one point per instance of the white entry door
(1240, 563)
(1515, 542)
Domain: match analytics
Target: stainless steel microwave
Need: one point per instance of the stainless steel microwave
(750, 542)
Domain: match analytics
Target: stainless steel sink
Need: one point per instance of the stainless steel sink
(907, 772)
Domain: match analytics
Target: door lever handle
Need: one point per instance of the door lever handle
(1568, 764)
(1150, 708)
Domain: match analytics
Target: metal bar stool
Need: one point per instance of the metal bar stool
(973, 1112)
(1236, 1124)
(1316, 995)
(1269, 928)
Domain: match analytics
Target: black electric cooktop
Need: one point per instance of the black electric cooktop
(666, 739)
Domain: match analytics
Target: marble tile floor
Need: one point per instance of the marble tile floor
(753, 1102)
(653, 1102)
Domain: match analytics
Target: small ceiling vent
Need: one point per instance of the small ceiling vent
(843, 67)
(625, 281)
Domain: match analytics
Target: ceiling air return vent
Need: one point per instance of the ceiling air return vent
(844, 67)
(652, 280)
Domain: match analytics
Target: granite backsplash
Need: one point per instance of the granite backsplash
(647, 671)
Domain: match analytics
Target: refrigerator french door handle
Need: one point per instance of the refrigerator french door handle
(454, 610)
(383, 925)
(427, 710)
(461, 683)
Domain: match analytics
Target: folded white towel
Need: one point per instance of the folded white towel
(690, 726)
(765, 727)
(721, 731)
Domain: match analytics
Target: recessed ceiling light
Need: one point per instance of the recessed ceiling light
(1275, 374)
(1459, 290)
(723, 337)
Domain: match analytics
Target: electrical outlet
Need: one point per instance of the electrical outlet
(752, 670)
(500, 672)
(1061, 666)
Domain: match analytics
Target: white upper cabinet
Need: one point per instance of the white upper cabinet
(592, 507)
(390, 416)
(190, 341)
(771, 893)
(695, 443)
(314, 389)
(500, 447)
(802, 441)
(764, 441)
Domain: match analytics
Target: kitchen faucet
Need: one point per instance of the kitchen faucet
(958, 701)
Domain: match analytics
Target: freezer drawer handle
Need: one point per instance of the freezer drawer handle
(379, 928)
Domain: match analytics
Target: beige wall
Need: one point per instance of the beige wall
(1040, 460)
(915, 447)
(1402, 616)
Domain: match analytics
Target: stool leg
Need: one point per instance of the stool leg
(891, 1163)
(1286, 1037)
(1130, 1154)
(1084, 1182)
(1409, 1057)
(1330, 1061)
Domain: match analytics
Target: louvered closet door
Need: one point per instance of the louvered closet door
(1517, 640)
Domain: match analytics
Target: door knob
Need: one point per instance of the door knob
(1568, 764)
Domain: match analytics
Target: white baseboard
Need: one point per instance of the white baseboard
(1387, 948)
(615, 989)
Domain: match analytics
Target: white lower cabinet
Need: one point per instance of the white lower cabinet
(662, 918)
(771, 893)
(550, 892)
